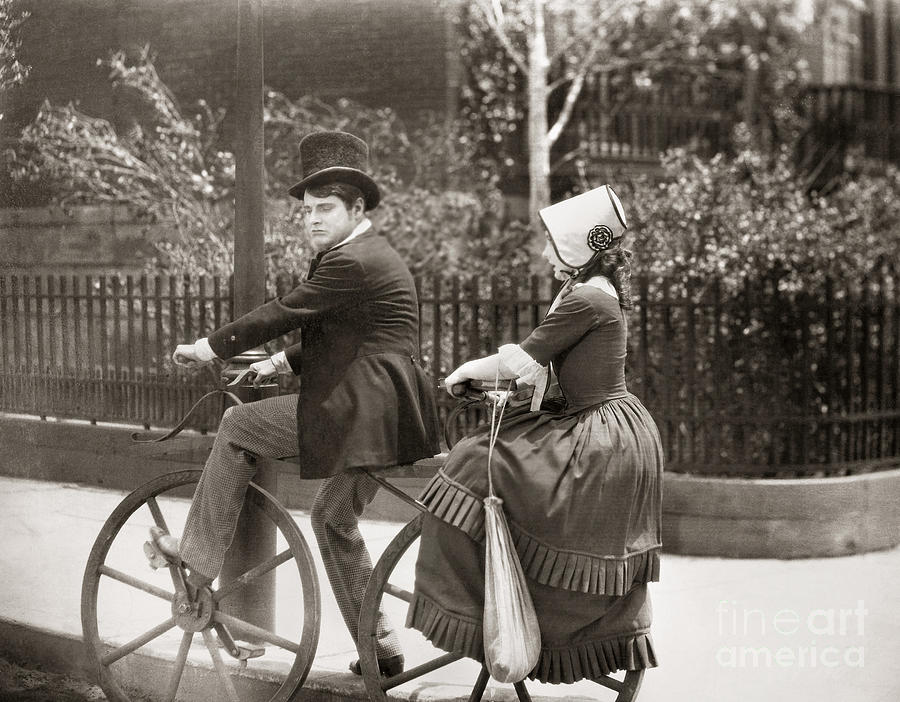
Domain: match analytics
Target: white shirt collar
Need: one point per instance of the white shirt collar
(360, 228)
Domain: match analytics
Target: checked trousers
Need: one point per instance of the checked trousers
(269, 428)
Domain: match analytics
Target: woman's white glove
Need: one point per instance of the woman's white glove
(455, 382)
(263, 371)
(193, 355)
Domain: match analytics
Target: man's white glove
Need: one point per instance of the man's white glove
(263, 371)
(193, 355)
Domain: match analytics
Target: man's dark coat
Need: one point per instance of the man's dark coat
(364, 399)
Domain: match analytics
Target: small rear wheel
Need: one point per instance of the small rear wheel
(386, 582)
(380, 585)
(128, 611)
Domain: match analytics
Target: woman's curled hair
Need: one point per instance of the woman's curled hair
(615, 264)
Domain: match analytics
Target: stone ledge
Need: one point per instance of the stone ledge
(778, 518)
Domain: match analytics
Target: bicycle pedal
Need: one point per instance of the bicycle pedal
(234, 649)
(241, 652)
(246, 652)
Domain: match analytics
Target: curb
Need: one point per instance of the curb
(63, 653)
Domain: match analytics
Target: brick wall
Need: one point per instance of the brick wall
(380, 52)
(83, 239)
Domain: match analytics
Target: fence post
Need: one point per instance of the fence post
(718, 382)
(805, 377)
(5, 366)
(850, 362)
(668, 434)
(436, 331)
(145, 352)
(895, 368)
(864, 345)
(690, 361)
(881, 361)
(454, 297)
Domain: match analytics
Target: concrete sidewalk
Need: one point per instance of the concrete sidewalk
(725, 630)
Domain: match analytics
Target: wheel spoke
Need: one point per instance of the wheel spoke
(220, 665)
(609, 682)
(522, 692)
(631, 685)
(480, 685)
(252, 574)
(160, 520)
(412, 673)
(398, 592)
(255, 632)
(180, 659)
(157, 514)
(136, 583)
(135, 644)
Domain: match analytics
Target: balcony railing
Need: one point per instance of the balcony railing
(640, 128)
(864, 114)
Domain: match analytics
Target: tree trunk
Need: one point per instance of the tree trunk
(751, 99)
(538, 143)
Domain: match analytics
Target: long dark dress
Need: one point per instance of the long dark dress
(581, 482)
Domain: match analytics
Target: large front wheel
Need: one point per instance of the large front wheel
(138, 623)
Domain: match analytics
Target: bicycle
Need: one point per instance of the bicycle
(208, 615)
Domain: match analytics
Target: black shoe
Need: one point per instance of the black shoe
(389, 667)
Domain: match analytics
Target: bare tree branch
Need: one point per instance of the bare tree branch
(563, 160)
(572, 94)
(579, 77)
(495, 23)
(556, 84)
(567, 44)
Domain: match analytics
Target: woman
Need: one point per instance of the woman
(579, 472)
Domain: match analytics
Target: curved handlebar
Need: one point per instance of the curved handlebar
(478, 389)
(473, 392)
(238, 376)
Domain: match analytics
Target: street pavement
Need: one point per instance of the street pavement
(725, 630)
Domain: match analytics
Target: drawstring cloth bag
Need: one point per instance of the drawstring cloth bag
(512, 637)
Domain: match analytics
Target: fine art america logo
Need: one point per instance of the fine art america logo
(790, 638)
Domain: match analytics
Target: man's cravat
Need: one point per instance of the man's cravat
(314, 264)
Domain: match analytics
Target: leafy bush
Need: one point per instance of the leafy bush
(718, 55)
(748, 217)
(440, 201)
(769, 310)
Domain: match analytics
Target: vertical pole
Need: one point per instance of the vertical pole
(255, 536)
(249, 262)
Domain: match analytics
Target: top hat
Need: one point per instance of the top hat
(584, 225)
(335, 157)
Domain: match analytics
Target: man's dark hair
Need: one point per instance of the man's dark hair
(348, 194)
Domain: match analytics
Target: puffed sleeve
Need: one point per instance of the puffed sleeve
(561, 329)
(337, 282)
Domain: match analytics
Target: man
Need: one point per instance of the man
(364, 401)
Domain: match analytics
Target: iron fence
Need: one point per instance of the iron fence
(751, 382)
